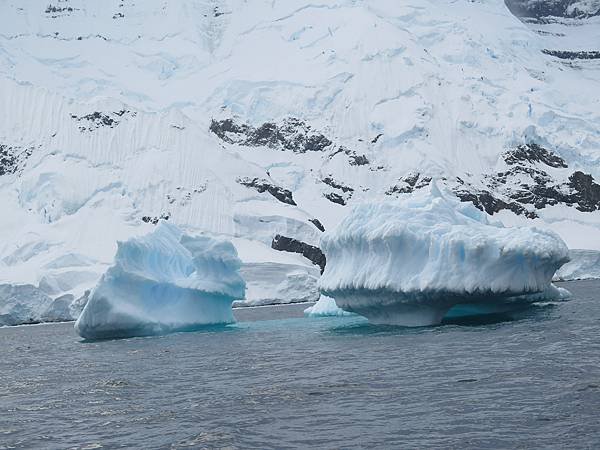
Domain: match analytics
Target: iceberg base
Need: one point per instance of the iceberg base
(185, 312)
(383, 307)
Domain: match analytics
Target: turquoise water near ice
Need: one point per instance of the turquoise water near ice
(279, 380)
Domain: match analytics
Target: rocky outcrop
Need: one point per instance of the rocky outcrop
(409, 183)
(342, 193)
(310, 252)
(485, 201)
(571, 55)
(533, 153)
(292, 135)
(95, 120)
(12, 158)
(317, 223)
(154, 220)
(262, 185)
(523, 187)
(526, 185)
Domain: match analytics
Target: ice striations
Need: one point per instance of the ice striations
(161, 282)
(410, 261)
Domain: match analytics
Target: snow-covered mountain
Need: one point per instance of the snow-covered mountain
(264, 121)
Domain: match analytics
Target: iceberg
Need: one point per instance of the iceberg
(326, 307)
(162, 282)
(408, 262)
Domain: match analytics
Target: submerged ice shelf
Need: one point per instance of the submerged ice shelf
(410, 261)
(161, 282)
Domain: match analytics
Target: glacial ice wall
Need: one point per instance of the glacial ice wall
(408, 262)
(161, 282)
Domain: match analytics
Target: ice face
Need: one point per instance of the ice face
(161, 282)
(583, 265)
(408, 262)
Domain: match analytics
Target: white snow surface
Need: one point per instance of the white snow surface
(161, 282)
(584, 265)
(106, 107)
(408, 262)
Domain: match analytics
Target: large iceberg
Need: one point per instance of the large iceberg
(162, 282)
(410, 261)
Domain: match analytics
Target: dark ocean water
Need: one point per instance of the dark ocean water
(531, 381)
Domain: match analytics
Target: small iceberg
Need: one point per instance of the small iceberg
(162, 282)
(410, 261)
(326, 307)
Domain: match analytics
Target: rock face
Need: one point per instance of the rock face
(92, 121)
(310, 252)
(410, 261)
(573, 55)
(162, 282)
(12, 158)
(291, 135)
(262, 185)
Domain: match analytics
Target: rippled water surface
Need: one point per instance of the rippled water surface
(291, 382)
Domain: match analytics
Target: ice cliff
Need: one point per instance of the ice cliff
(161, 282)
(408, 262)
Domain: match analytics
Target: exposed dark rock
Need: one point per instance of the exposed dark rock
(335, 198)
(95, 120)
(262, 185)
(312, 253)
(587, 192)
(526, 183)
(485, 201)
(358, 160)
(566, 54)
(533, 153)
(409, 183)
(290, 135)
(317, 224)
(334, 184)
(376, 138)
(353, 158)
(57, 11)
(12, 158)
(154, 220)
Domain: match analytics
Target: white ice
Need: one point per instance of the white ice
(326, 307)
(25, 303)
(161, 282)
(408, 262)
(584, 264)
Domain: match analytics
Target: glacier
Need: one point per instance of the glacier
(162, 282)
(583, 265)
(409, 262)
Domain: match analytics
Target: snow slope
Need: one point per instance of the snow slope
(162, 282)
(264, 121)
